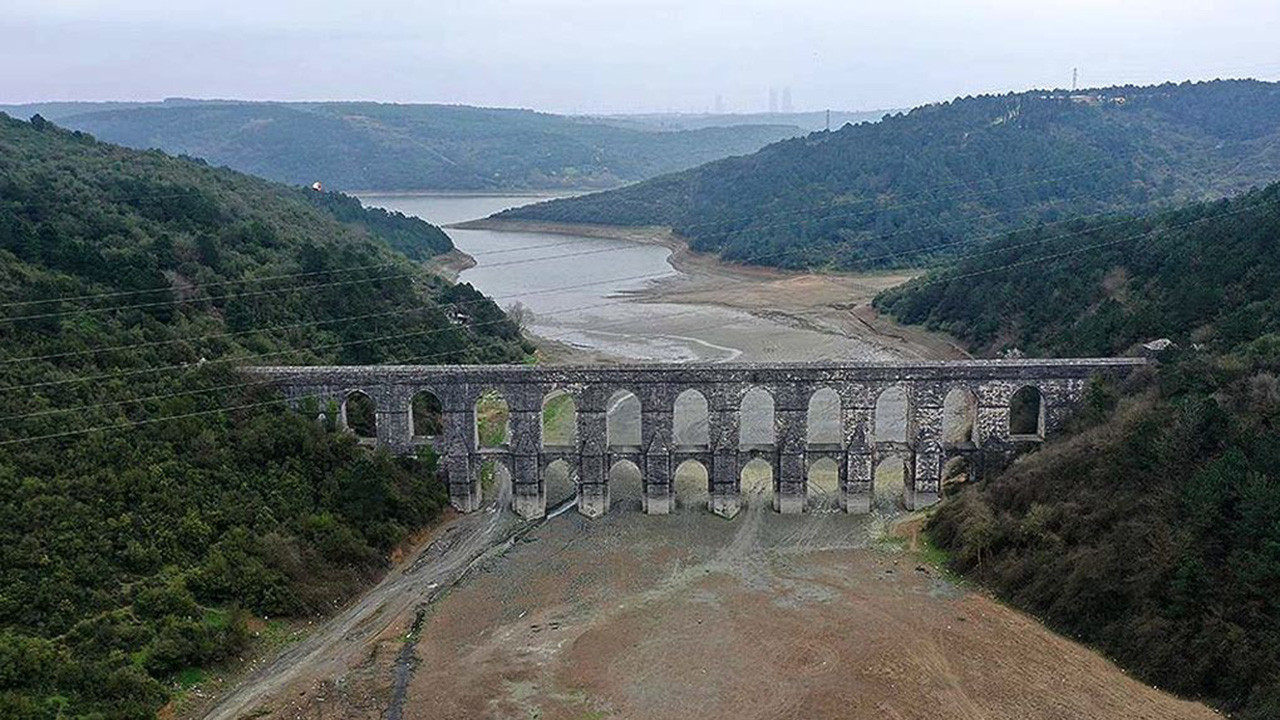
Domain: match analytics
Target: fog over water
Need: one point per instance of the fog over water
(576, 288)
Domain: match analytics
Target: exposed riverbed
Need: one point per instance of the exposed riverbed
(622, 295)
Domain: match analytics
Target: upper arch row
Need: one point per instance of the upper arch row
(718, 396)
(1026, 407)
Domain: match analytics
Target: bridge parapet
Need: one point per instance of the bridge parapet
(988, 386)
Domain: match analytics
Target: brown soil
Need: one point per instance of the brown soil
(764, 616)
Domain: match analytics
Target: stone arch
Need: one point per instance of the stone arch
(890, 422)
(558, 482)
(824, 419)
(426, 415)
(960, 417)
(559, 419)
(692, 485)
(623, 419)
(756, 418)
(1026, 413)
(822, 484)
(495, 479)
(492, 420)
(359, 415)
(691, 417)
(756, 483)
(626, 486)
(889, 482)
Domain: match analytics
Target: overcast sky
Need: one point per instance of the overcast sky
(620, 55)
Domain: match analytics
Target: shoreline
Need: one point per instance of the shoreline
(451, 264)
(829, 303)
(537, 193)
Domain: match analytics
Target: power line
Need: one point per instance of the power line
(148, 421)
(391, 264)
(511, 296)
(235, 358)
(339, 283)
(556, 244)
(292, 326)
(276, 291)
(32, 358)
(945, 279)
(287, 276)
(177, 301)
(139, 423)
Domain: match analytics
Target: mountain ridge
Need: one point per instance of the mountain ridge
(389, 146)
(947, 173)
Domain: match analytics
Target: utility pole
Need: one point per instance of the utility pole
(828, 119)
(1075, 79)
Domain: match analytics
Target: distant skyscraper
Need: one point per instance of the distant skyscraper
(773, 100)
(719, 104)
(786, 99)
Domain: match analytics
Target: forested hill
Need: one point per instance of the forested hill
(372, 146)
(1152, 532)
(1208, 273)
(153, 501)
(930, 183)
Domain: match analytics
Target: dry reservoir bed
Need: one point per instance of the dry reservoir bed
(687, 615)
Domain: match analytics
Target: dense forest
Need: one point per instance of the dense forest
(155, 505)
(1153, 531)
(926, 185)
(1207, 274)
(373, 146)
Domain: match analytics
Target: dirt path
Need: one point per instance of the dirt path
(337, 647)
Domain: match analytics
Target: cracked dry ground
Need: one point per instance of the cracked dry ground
(765, 616)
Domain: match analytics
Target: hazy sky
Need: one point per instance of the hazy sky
(620, 55)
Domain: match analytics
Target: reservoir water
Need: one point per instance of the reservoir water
(577, 289)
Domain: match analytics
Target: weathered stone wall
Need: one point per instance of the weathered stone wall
(991, 383)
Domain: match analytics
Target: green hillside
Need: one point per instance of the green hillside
(373, 146)
(1208, 273)
(1153, 530)
(172, 501)
(930, 183)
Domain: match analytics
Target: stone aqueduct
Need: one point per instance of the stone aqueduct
(992, 384)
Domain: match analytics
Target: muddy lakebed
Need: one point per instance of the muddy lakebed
(595, 294)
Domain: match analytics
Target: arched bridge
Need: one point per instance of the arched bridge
(1006, 404)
